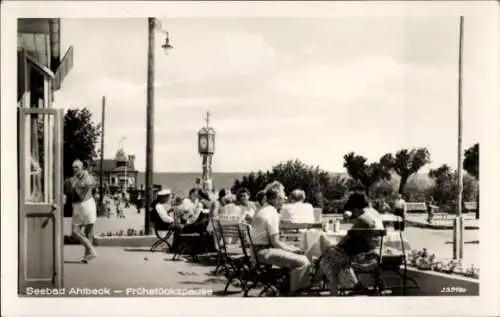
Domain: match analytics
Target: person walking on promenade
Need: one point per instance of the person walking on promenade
(400, 207)
(84, 216)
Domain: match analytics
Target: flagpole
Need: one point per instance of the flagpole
(458, 225)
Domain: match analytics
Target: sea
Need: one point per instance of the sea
(180, 183)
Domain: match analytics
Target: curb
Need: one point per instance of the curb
(436, 227)
(122, 241)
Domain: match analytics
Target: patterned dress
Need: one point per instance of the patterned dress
(338, 261)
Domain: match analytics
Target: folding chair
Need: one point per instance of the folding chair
(163, 231)
(393, 263)
(232, 262)
(255, 273)
(218, 246)
(372, 269)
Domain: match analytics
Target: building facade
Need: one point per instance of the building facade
(40, 73)
(119, 173)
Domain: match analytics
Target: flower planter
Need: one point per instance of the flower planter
(433, 283)
(123, 238)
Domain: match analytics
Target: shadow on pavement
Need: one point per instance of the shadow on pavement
(466, 242)
(221, 293)
(148, 250)
(206, 282)
(74, 262)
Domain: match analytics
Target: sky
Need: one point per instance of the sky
(312, 89)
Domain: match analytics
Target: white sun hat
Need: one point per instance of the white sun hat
(164, 192)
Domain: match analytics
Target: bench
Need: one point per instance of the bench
(470, 206)
(416, 207)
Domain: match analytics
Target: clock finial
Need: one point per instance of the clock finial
(207, 119)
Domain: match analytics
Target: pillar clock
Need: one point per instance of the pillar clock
(206, 148)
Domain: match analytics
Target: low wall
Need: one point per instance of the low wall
(440, 284)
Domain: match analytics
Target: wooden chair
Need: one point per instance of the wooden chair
(218, 246)
(372, 269)
(232, 262)
(255, 273)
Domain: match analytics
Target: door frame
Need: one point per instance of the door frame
(57, 216)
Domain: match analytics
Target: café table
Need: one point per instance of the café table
(315, 242)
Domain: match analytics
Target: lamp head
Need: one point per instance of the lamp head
(167, 46)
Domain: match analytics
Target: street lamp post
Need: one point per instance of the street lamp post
(153, 25)
(458, 231)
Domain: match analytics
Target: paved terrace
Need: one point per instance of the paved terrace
(119, 267)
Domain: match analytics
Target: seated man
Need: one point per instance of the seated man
(269, 248)
(297, 211)
(163, 206)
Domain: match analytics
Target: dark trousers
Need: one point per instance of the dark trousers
(400, 212)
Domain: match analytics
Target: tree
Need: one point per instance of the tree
(446, 186)
(365, 174)
(406, 163)
(321, 187)
(471, 165)
(471, 161)
(81, 136)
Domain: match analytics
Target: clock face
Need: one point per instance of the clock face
(211, 144)
(203, 142)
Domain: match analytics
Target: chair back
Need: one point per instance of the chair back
(229, 233)
(292, 231)
(246, 231)
(217, 233)
(229, 218)
(370, 234)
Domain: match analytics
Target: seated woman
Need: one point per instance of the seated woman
(297, 211)
(190, 207)
(192, 217)
(352, 248)
(243, 201)
(269, 248)
(228, 208)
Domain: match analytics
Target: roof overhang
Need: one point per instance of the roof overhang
(41, 37)
(43, 69)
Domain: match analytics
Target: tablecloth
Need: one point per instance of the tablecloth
(315, 242)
